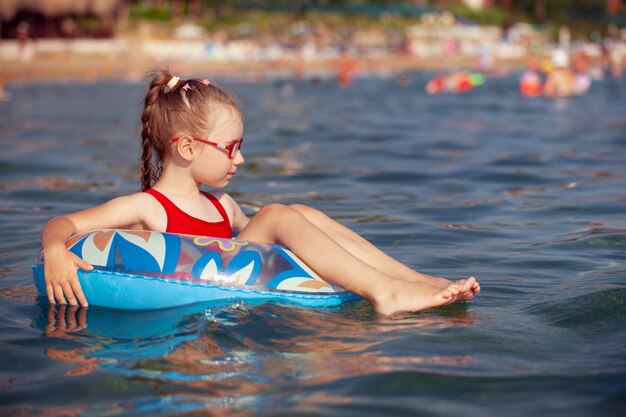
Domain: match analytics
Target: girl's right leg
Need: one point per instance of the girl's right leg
(285, 225)
(370, 254)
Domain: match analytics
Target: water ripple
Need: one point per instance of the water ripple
(528, 195)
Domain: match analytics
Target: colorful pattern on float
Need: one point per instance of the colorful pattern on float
(241, 269)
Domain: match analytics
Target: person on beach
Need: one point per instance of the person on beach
(616, 60)
(582, 75)
(192, 135)
(561, 81)
(346, 68)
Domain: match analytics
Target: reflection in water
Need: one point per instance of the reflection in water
(18, 293)
(257, 351)
(47, 411)
(237, 355)
(77, 356)
(528, 192)
(64, 319)
(63, 322)
(45, 183)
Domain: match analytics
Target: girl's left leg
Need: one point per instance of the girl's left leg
(285, 225)
(370, 254)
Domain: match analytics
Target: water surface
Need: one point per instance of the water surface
(528, 195)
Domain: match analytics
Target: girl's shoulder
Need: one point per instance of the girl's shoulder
(139, 197)
(140, 201)
(131, 200)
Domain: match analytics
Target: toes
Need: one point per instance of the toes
(454, 290)
(446, 293)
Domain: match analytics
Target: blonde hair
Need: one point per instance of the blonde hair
(187, 107)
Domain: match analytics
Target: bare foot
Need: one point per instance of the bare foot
(403, 296)
(471, 289)
(428, 279)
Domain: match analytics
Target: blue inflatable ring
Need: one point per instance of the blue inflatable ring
(147, 270)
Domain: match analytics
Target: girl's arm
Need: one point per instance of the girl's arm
(60, 265)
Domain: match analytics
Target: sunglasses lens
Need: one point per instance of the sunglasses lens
(235, 149)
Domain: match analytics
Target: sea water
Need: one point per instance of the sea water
(528, 195)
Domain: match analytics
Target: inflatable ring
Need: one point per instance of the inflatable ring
(147, 270)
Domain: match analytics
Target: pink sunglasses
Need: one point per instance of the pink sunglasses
(232, 148)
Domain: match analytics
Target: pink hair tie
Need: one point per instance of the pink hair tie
(186, 87)
(206, 82)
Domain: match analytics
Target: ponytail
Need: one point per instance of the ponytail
(146, 176)
(149, 171)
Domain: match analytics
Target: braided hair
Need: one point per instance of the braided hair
(173, 107)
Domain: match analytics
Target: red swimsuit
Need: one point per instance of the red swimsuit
(180, 222)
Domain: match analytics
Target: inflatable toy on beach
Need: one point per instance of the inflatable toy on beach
(146, 270)
(458, 82)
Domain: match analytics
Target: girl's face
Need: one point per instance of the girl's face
(213, 166)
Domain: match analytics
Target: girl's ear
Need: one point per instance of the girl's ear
(186, 148)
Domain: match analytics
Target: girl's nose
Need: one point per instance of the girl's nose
(239, 159)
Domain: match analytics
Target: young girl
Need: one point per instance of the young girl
(193, 131)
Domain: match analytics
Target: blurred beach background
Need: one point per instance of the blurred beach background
(116, 39)
(407, 121)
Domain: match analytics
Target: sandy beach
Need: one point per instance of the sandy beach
(132, 64)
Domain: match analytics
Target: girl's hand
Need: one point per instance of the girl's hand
(60, 266)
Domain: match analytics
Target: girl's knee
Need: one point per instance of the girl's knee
(306, 211)
(276, 219)
(275, 212)
(300, 207)
(315, 216)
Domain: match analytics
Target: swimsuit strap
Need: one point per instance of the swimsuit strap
(169, 206)
(217, 205)
(165, 202)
